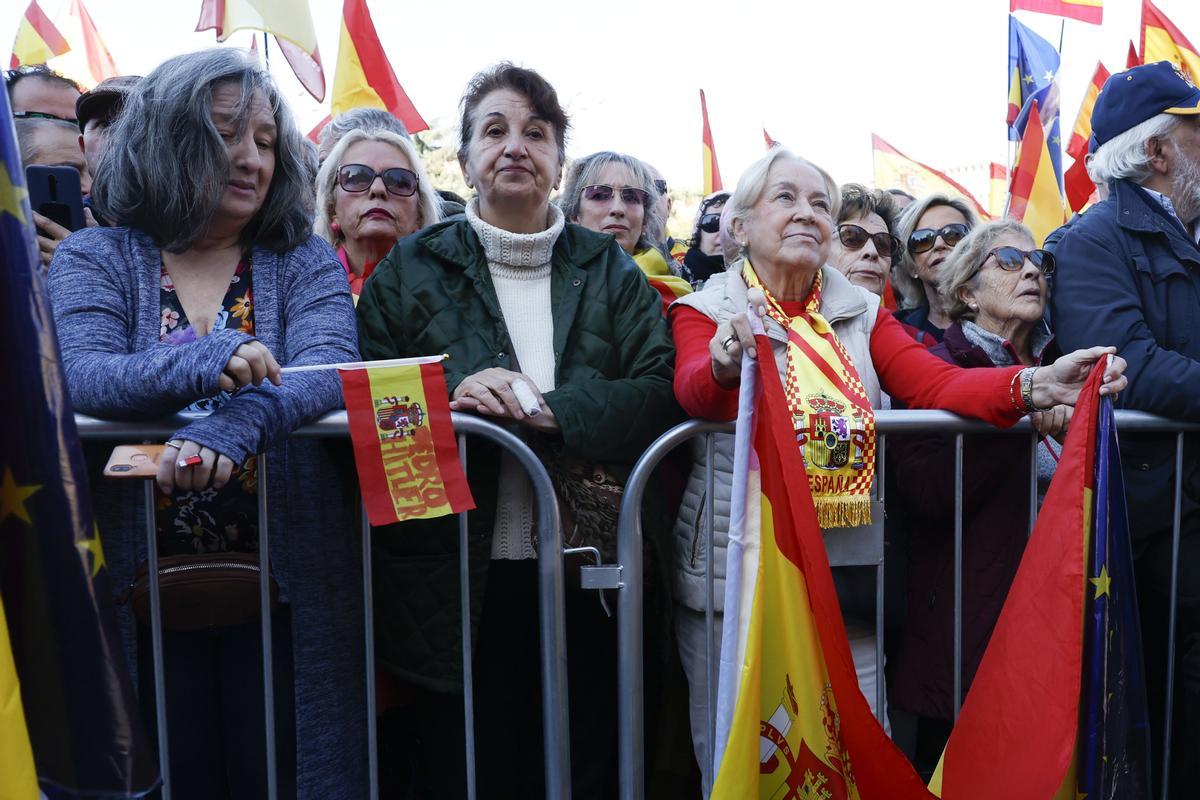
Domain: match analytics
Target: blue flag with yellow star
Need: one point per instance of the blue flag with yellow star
(79, 707)
(1114, 732)
(1032, 69)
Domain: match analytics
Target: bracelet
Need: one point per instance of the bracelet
(1027, 388)
(1012, 391)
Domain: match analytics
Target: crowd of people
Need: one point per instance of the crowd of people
(219, 246)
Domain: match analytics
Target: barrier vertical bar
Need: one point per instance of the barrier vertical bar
(1176, 531)
(369, 657)
(1033, 483)
(710, 624)
(264, 597)
(156, 642)
(958, 558)
(464, 599)
(879, 589)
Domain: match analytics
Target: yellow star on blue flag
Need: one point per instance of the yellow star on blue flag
(1102, 582)
(12, 195)
(13, 497)
(93, 546)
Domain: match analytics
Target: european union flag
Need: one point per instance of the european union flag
(1032, 67)
(1114, 751)
(79, 703)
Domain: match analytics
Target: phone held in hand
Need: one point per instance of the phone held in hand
(55, 192)
(134, 461)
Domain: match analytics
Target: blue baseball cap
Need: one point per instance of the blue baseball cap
(1131, 97)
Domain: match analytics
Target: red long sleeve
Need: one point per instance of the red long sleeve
(909, 372)
(696, 389)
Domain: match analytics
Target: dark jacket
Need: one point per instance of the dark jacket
(995, 526)
(104, 286)
(613, 369)
(1128, 276)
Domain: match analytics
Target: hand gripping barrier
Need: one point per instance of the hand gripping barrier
(551, 599)
(626, 577)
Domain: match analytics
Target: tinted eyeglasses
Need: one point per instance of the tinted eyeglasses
(602, 193)
(359, 177)
(1012, 259)
(854, 237)
(710, 223)
(42, 115)
(923, 239)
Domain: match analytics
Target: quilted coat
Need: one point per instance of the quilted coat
(613, 369)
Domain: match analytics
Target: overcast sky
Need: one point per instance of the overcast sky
(927, 75)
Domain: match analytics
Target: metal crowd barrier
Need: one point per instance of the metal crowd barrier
(551, 599)
(627, 576)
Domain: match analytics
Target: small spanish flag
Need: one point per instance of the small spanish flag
(38, 40)
(1083, 10)
(712, 173)
(1078, 184)
(1034, 196)
(404, 448)
(1163, 41)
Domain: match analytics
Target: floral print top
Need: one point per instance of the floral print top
(210, 520)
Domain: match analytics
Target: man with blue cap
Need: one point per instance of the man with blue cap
(1129, 275)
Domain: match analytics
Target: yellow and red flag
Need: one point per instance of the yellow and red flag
(1034, 198)
(712, 174)
(792, 721)
(289, 21)
(670, 287)
(37, 40)
(89, 60)
(404, 447)
(997, 189)
(1162, 41)
(1083, 10)
(894, 170)
(364, 77)
(1078, 185)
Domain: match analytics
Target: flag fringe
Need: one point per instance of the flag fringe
(843, 512)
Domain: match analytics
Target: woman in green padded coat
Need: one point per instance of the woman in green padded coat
(513, 293)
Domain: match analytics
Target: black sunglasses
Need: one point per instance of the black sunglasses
(602, 193)
(710, 223)
(854, 237)
(42, 115)
(661, 185)
(923, 239)
(1012, 259)
(359, 177)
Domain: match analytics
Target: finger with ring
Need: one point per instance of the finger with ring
(728, 340)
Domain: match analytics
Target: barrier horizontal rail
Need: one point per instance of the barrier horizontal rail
(630, 681)
(551, 592)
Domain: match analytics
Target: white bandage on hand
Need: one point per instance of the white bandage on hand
(524, 395)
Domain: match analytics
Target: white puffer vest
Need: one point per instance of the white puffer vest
(851, 311)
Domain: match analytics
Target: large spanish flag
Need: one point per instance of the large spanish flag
(894, 170)
(89, 60)
(712, 174)
(1083, 10)
(364, 76)
(791, 719)
(1078, 185)
(37, 40)
(1034, 198)
(289, 21)
(1057, 708)
(404, 448)
(1162, 41)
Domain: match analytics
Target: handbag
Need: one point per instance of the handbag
(201, 592)
(589, 502)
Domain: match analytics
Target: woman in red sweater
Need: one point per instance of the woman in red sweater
(836, 350)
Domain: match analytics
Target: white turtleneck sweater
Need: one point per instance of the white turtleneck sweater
(519, 264)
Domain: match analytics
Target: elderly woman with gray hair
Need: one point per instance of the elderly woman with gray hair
(211, 282)
(993, 287)
(928, 229)
(783, 212)
(615, 193)
(372, 190)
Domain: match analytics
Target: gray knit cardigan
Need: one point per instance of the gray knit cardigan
(104, 286)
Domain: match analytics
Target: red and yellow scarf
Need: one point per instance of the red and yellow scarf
(831, 413)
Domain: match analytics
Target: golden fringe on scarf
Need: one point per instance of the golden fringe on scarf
(831, 413)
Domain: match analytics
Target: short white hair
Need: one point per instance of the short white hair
(754, 182)
(1125, 156)
(429, 207)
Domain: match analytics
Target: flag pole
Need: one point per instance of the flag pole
(388, 362)
(1061, 30)
(266, 52)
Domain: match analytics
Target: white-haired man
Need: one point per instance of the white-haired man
(1129, 275)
